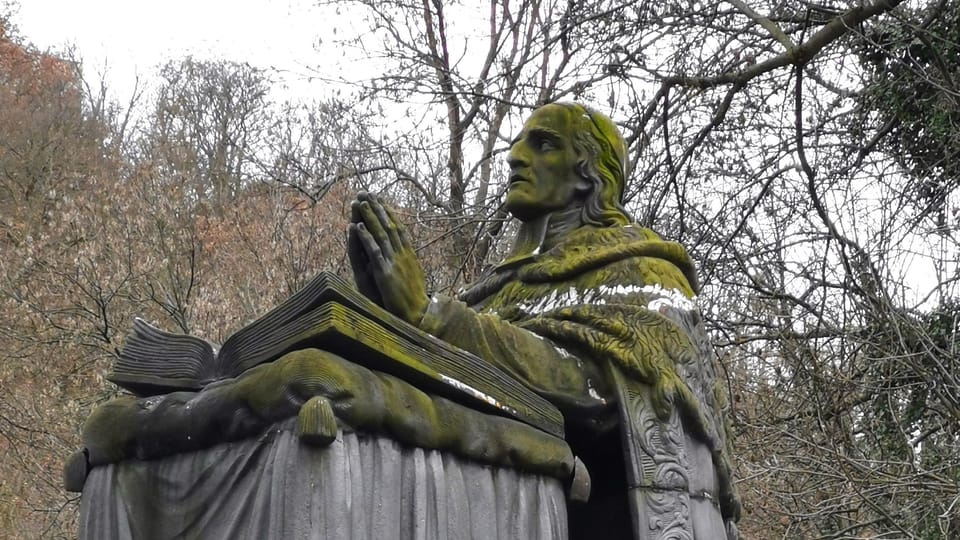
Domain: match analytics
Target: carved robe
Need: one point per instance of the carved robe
(606, 326)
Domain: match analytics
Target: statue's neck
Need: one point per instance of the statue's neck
(539, 235)
(561, 223)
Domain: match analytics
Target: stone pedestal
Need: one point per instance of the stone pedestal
(359, 487)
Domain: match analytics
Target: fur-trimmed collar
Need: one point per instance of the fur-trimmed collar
(585, 249)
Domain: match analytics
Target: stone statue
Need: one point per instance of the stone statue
(334, 435)
(594, 313)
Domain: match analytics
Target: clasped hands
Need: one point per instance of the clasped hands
(385, 265)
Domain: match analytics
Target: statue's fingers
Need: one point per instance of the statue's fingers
(374, 227)
(377, 262)
(355, 215)
(356, 251)
(360, 263)
(366, 197)
(381, 268)
(403, 239)
(389, 223)
(353, 240)
(388, 220)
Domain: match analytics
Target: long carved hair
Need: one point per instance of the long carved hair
(602, 162)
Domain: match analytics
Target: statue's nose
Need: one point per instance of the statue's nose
(516, 159)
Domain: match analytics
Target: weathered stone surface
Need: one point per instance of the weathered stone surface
(365, 400)
(316, 423)
(358, 487)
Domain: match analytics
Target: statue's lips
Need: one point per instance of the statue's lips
(516, 179)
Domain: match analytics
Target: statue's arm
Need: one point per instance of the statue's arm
(572, 384)
(387, 270)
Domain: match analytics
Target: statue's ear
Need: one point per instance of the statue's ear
(584, 186)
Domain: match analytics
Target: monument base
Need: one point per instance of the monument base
(360, 486)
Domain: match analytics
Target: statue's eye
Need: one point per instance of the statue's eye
(546, 145)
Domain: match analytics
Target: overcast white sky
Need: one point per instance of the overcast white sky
(133, 37)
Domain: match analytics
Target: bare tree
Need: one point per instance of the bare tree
(211, 119)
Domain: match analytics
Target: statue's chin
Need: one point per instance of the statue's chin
(528, 202)
(522, 206)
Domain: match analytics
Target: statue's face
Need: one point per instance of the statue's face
(543, 176)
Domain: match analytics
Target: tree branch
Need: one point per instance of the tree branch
(797, 55)
(766, 23)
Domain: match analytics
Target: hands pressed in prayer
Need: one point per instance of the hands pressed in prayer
(385, 265)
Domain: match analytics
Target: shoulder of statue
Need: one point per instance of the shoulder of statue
(589, 248)
(583, 250)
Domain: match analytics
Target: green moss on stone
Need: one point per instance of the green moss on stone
(363, 400)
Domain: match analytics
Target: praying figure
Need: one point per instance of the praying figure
(596, 314)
